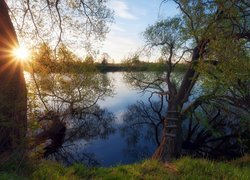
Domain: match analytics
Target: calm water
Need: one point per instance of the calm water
(114, 149)
(109, 140)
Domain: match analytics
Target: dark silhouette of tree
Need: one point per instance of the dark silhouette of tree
(13, 105)
(105, 59)
(210, 131)
(64, 133)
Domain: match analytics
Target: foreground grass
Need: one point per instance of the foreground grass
(184, 168)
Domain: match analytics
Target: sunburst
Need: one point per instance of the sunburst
(21, 53)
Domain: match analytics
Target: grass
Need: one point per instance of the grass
(184, 168)
(203, 169)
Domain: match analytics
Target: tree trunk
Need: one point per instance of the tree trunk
(171, 142)
(13, 95)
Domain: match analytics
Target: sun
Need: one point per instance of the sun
(21, 53)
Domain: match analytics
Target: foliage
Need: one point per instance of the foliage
(62, 99)
(166, 32)
(89, 59)
(57, 77)
(45, 60)
(210, 131)
(213, 37)
(71, 99)
(72, 22)
(42, 21)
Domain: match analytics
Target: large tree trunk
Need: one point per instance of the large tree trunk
(171, 142)
(171, 136)
(13, 95)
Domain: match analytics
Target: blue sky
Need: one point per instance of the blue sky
(132, 17)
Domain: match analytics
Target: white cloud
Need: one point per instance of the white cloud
(115, 27)
(121, 10)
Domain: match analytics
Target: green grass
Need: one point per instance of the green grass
(203, 169)
(184, 168)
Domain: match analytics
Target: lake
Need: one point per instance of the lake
(114, 149)
(124, 125)
(120, 128)
(98, 141)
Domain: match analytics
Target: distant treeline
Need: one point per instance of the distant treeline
(142, 66)
(78, 67)
(64, 61)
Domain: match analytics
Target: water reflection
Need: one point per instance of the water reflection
(115, 150)
(113, 123)
(210, 131)
(214, 132)
(143, 120)
(65, 108)
(85, 126)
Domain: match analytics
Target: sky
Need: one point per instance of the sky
(131, 18)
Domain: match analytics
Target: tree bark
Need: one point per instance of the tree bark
(171, 136)
(13, 95)
(171, 142)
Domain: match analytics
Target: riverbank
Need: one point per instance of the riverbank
(80, 67)
(143, 66)
(184, 168)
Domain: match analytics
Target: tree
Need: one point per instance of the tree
(13, 118)
(105, 58)
(62, 100)
(67, 102)
(72, 22)
(89, 59)
(203, 30)
(210, 131)
(43, 59)
(46, 17)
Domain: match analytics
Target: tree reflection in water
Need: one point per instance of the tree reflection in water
(210, 131)
(138, 118)
(141, 128)
(83, 127)
(64, 106)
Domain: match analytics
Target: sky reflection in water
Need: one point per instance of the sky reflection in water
(114, 149)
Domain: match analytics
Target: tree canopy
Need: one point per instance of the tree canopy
(73, 22)
(212, 37)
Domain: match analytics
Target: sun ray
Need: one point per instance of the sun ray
(21, 53)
